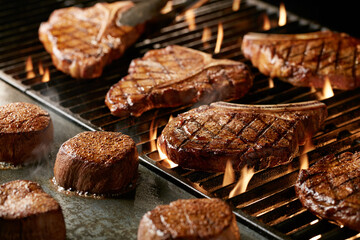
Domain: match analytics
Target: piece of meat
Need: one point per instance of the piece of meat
(176, 76)
(97, 163)
(306, 59)
(26, 132)
(190, 219)
(82, 41)
(331, 189)
(259, 136)
(27, 212)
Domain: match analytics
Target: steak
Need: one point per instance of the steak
(26, 132)
(27, 212)
(97, 163)
(306, 59)
(331, 189)
(190, 219)
(258, 136)
(82, 41)
(176, 76)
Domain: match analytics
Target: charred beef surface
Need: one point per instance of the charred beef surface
(98, 163)
(331, 189)
(306, 59)
(82, 41)
(176, 76)
(259, 136)
(27, 212)
(26, 131)
(190, 219)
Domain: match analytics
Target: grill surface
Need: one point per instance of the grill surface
(269, 205)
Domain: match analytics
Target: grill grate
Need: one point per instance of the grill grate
(269, 205)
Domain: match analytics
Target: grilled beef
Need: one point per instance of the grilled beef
(82, 41)
(25, 133)
(98, 163)
(331, 189)
(258, 136)
(190, 219)
(176, 76)
(306, 59)
(27, 212)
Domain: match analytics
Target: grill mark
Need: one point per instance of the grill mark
(288, 54)
(320, 57)
(220, 130)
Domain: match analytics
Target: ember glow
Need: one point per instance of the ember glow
(240, 187)
(41, 68)
(229, 175)
(46, 76)
(282, 15)
(327, 91)
(29, 68)
(219, 39)
(190, 19)
(206, 36)
(266, 23)
(236, 5)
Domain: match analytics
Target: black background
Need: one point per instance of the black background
(341, 16)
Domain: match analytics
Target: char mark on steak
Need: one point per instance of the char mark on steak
(260, 136)
(176, 76)
(82, 41)
(331, 189)
(306, 59)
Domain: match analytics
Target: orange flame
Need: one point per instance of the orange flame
(327, 89)
(46, 76)
(229, 175)
(167, 8)
(271, 83)
(304, 160)
(41, 68)
(166, 161)
(206, 36)
(236, 5)
(190, 19)
(240, 187)
(29, 68)
(153, 135)
(282, 15)
(266, 23)
(219, 39)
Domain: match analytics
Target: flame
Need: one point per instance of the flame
(316, 237)
(29, 68)
(236, 5)
(206, 36)
(282, 15)
(304, 160)
(327, 89)
(271, 83)
(166, 161)
(266, 24)
(41, 68)
(190, 19)
(46, 76)
(229, 175)
(219, 39)
(153, 135)
(240, 187)
(167, 8)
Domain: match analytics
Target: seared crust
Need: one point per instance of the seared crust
(330, 189)
(25, 133)
(190, 219)
(176, 76)
(82, 41)
(27, 212)
(97, 162)
(306, 59)
(259, 136)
